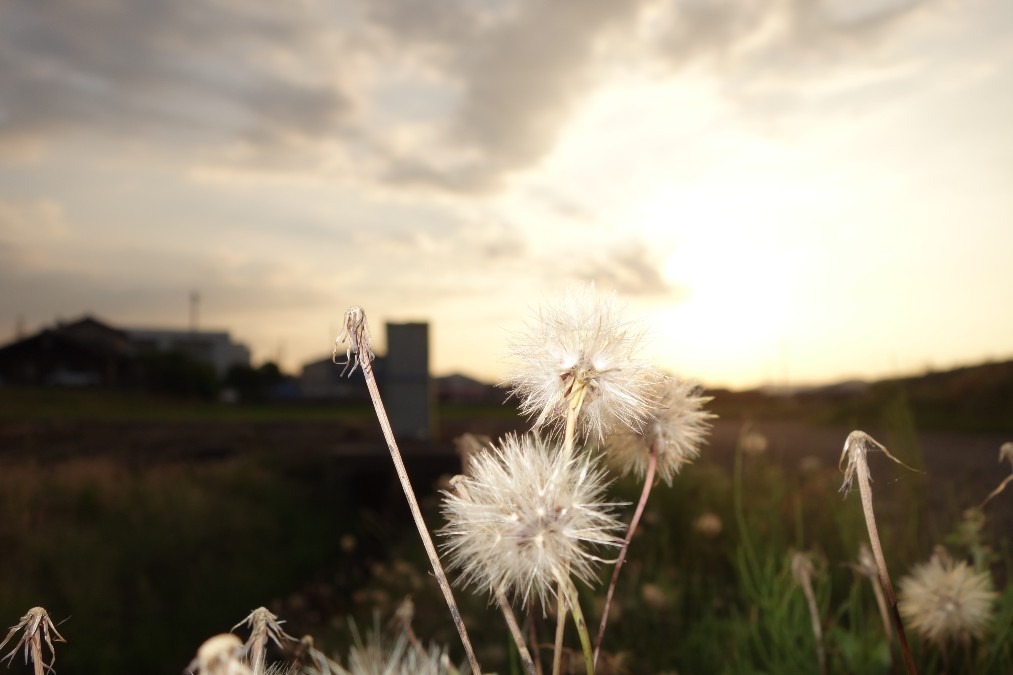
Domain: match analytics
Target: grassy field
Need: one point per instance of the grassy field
(147, 525)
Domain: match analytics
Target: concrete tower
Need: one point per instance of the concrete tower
(407, 389)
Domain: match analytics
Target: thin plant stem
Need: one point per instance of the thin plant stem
(865, 489)
(427, 541)
(1002, 486)
(578, 621)
(572, 412)
(557, 652)
(515, 631)
(740, 514)
(576, 400)
(802, 570)
(645, 493)
(533, 638)
(884, 613)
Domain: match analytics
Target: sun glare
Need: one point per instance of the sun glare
(733, 281)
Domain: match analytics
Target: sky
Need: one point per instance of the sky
(782, 191)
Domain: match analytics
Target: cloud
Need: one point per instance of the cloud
(299, 86)
(524, 72)
(164, 71)
(628, 268)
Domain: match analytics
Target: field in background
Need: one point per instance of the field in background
(150, 524)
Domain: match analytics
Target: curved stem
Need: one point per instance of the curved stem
(413, 505)
(645, 493)
(865, 489)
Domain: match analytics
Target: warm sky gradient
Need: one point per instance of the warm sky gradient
(782, 189)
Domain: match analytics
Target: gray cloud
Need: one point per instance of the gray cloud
(523, 72)
(270, 85)
(163, 71)
(630, 269)
(44, 293)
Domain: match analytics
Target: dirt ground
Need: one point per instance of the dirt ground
(960, 468)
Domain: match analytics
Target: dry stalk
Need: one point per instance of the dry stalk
(515, 631)
(356, 334)
(802, 570)
(867, 567)
(856, 447)
(1005, 452)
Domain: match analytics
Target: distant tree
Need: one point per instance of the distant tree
(254, 385)
(178, 374)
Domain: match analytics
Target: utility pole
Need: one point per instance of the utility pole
(194, 306)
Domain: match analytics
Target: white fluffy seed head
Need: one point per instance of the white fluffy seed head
(220, 655)
(581, 340)
(677, 427)
(526, 517)
(945, 601)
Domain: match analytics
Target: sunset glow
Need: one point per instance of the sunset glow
(783, 196)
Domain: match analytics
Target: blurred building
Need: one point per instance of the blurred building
(463, 390)
(88, 352)
(215, 348)
(322, 380)
(407, 388)
(82, 353)
(402, 376)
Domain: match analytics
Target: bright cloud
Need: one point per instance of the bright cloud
(820, 184)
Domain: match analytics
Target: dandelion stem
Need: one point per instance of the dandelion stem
(884, 613)
(515, 631)
(533, 637)
(802, 570)
(557, 653)
(572, 412)
(578, 620)
(652, 464)
(749, 552)
(993, 493)
(427, 541)
(575, 400)
(865, 489)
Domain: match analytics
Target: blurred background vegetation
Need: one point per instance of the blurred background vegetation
(145, 523)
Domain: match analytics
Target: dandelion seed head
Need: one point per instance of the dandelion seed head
(866, 562)
(677, 427)
(753, 442)
(945, 601)
(581, 343)
(526, 517)
(220, 655)
(708, 524)
(802, 568)
(383, 654)
(1006, 452)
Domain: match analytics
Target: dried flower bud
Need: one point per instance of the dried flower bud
(356, 334)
